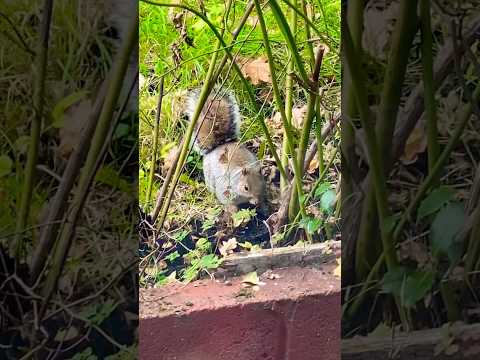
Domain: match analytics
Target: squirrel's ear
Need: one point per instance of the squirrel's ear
(244, 171)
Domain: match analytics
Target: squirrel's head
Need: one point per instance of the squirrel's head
(251, 186)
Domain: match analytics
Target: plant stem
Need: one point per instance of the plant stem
(429, 90)
(155, 141)
(206, 89)
(374, 156)
(465, 116)
(288, 103)
(279, 103)
(402, 38)
(36, 126)
(101, 132)
(60, 201)
(375, 159)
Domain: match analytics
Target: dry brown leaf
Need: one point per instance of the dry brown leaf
(313, 166)
(416, 144)
(227, 247)
(416, 251)
(252, 279)
(256, 70)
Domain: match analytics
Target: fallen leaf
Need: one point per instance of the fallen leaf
(256, 70)
(227, 247)
(379, 23)
(313, 166)
(416, 251)
(252, 279)
(416, 144)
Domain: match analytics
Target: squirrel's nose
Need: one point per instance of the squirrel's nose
(254, 202)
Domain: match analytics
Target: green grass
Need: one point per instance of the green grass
(157, 34)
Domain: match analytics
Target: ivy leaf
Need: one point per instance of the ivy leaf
(394, 279)
(409, 285)
(444, 231)
(324, 187)
(435, 201)
(327, 201)
(418, 284)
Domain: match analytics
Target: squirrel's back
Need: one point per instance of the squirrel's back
(219, 121)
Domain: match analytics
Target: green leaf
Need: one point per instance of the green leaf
(109, 176)
(409, 285)
(311, 224)
(210, 261)
(171, 257)
(120, 131)
(322, 188)
(96, 314)
(6, 165)
(418, 284)
(203, 245)
(60, 108)
(243, 216)
(391, 222)
(181, 235)
(445, 228)
(86, 354)
(435, 201)
(211, 219)
(393, 280)
(327, 201)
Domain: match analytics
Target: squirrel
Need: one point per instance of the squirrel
(231, 171)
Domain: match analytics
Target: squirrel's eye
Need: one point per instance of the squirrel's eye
(246, 187)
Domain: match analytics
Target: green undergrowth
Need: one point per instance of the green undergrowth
(183, 62)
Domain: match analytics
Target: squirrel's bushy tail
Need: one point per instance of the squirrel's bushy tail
(219, 121)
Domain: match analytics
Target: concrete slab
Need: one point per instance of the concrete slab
(294, 315)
